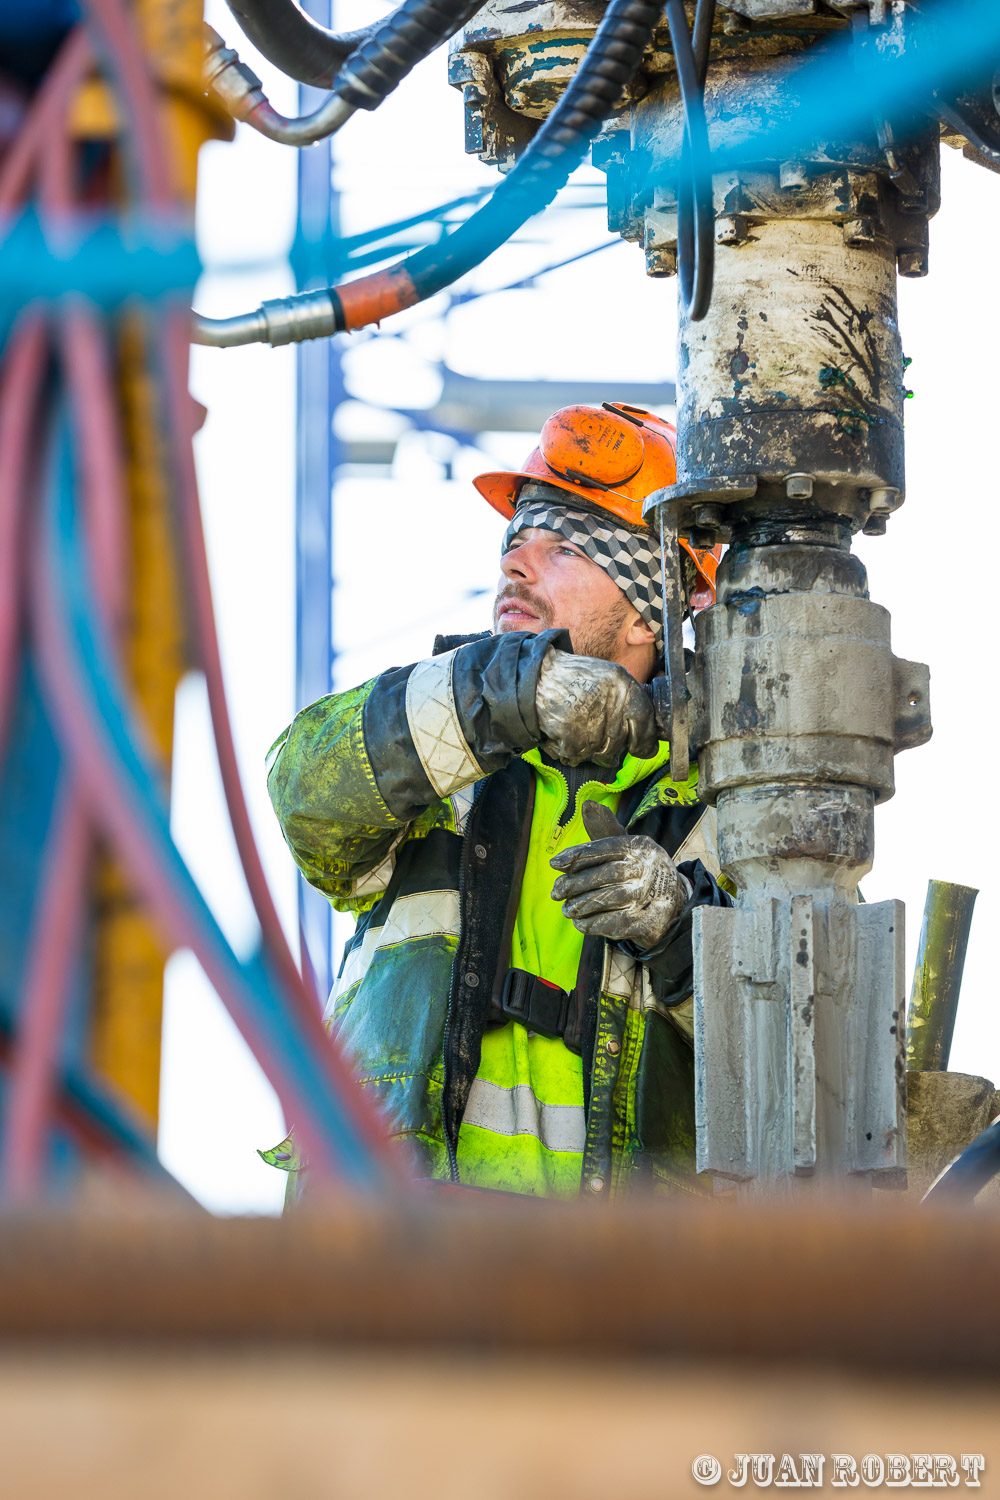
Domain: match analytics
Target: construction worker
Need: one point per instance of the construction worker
(500, 817)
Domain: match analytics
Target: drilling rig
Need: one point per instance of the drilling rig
(790, 441)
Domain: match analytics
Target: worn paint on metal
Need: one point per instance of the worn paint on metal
(937, 977)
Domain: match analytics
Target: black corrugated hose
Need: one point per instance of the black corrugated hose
(545, 166)
(543, 169)
(283, 33)
(362, 67)
(403, 39)
(695, 208)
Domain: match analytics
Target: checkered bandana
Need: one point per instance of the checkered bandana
(630, 559)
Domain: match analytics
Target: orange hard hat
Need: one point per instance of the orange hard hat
(609, 457)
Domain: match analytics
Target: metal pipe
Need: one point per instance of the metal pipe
(937, 978)
(281, 320)
(239, 91)
(227, 333)
(303, 131)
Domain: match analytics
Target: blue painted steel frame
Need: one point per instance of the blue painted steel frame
(320, 391)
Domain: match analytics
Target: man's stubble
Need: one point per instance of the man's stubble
(599, 637)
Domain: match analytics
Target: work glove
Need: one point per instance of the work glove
(592, 710)
(620, 886)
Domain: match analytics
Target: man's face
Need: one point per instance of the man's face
(547, 583)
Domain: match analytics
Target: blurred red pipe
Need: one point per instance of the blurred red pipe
(20, 385)
(88, 1132)
(142, 102)
(137, 93)
(134, 77)
(44, 119)
(114, 812)
(62, 897)
(110, 805)
(176, 349)
(55, 947)
(100, 457)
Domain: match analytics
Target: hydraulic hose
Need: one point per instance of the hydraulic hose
(969, 1173)
(695, 208)
(398, 43)
(283, 33)
(364, 78)
(560, 145)
(239, 90)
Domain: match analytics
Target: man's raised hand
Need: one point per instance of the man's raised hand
(592, 710)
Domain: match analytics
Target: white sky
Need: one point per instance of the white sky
(408, 550)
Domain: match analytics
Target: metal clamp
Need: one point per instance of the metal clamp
(670, 696)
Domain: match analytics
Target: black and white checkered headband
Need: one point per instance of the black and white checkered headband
(630, 559)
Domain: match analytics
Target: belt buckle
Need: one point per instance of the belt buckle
(539, 1005)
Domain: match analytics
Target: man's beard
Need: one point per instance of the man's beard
(522, 592)
(599, 637)
(602, 638)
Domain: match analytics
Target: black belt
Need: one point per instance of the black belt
(539, 1006)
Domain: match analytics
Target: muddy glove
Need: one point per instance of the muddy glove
(592, 710)
(620, 886)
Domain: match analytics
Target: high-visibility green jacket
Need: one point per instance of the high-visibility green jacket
(404, 801)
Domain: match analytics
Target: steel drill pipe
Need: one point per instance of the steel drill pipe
(937, 978)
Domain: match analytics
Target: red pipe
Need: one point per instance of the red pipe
(82, 737)
(62, 897)
(89, 1133)
(82, 734)
(20, 384)
(138, 94)
(52, 956)
(100, 457)
(134, 77)
(176, 346)
(43, 119)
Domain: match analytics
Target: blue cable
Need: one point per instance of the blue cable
(969, 1173)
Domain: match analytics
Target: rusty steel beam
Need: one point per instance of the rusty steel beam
(715, 1281)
